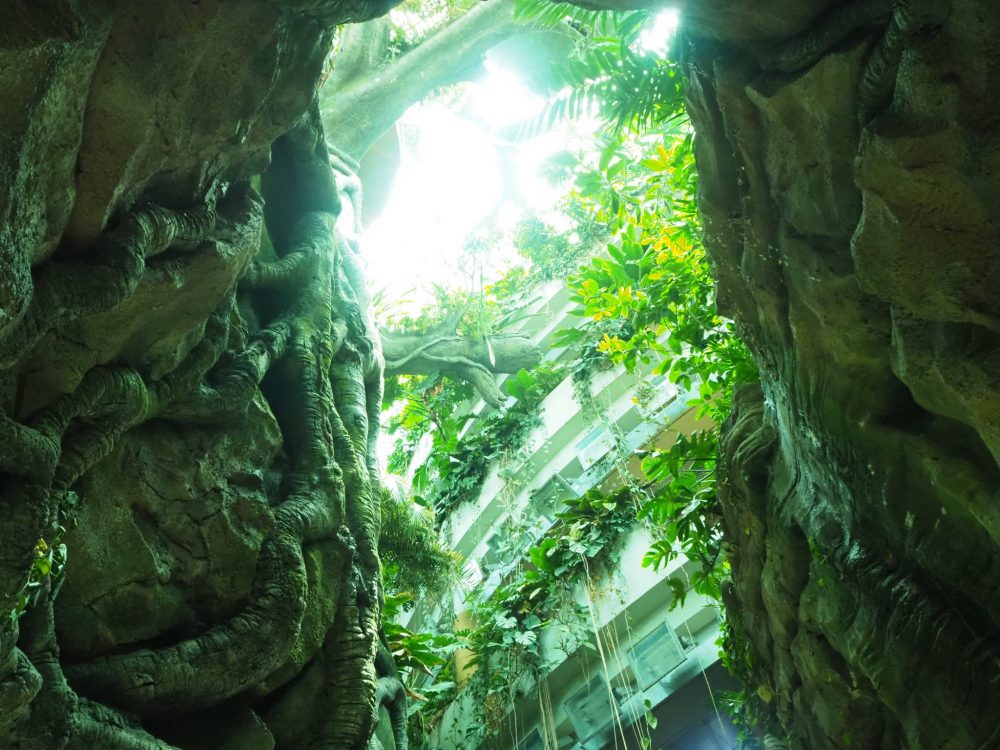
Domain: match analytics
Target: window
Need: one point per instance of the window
(594, 446)
(548, 499)
(490, 559)
(589, 709)
(656, 654)
(531, 741)
(471, 574)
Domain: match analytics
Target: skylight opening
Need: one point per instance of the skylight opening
(656, 40)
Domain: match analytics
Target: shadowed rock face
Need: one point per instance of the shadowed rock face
(851, 178)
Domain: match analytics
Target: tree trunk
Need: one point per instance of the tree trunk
(199, 412)
(473, 360)
(365, 100)
(211, 439)
(188, 414)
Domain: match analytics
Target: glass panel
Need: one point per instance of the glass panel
(589, 709)
(656, 654)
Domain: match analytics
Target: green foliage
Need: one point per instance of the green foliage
(652, 296)
(553, 15)
(539, 590)
(460, 466)
(683, 509)
(414, 561)
(414, 652)
(428, 405)
(747, 709)
(550, 254)
(431, 404)
(48, 561)
(412, 21)
(646, 303)
(608, 76)
(650, 302)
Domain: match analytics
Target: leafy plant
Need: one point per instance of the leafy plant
(539, 590)
(646, 302)
(609, 75)
(414, 561)
(48, 561)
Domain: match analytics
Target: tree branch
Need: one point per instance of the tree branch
(358, 109)
(474, 360)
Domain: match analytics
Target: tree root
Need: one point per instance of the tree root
(878, 82)
(59, 719)
(314, 353)
(439, 350)
(20, 686)
(65, 292)
(231, 657)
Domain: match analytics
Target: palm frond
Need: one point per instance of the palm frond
(607, 78)
(545, 13)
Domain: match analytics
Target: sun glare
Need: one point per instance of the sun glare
(656, 40)
(448, 182)
(457, 177)
(501, 98)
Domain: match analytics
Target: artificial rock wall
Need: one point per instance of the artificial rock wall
(211, 556)
(850, 163)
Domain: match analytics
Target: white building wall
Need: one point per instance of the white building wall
(635, 600)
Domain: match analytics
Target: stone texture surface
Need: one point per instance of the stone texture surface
(106, 107)
(850, 201)
(168, 533)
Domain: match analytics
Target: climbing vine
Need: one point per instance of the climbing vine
(541, 589)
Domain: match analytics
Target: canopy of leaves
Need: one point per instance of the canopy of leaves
(610, 76)
(646, 303)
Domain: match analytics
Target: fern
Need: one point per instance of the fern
(606, 77)
(414, 559)
(546, 14)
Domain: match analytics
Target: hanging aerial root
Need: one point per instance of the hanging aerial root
(350, 434)
(234, 656)
(391, 693)
(289, 272)
(374, 387)
(117, 393)
(348, 657)
(233, 385)
(96, 726)
(188, 375)
(26, 452)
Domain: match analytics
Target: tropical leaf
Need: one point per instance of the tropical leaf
(607, 77)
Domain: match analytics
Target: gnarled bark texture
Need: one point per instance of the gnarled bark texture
(190, 384)
(199, 408)
(850, 163)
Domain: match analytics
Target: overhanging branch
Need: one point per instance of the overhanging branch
(474, 360)
(358, 109)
